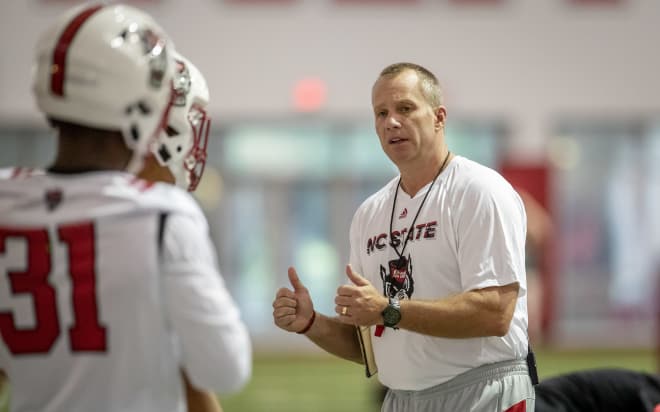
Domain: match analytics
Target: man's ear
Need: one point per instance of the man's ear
(440, 117)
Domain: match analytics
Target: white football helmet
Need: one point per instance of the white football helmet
(107, 67)
(182, 146)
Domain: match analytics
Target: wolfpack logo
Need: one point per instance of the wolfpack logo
(154, 47)
(404, 213)
(398, 281)
(53, 198)
(182, 84)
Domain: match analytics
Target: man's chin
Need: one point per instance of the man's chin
(400, 156)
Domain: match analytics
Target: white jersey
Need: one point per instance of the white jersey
(109, 287)
(19, 172)
(470, 234)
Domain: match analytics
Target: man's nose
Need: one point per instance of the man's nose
(392, 122)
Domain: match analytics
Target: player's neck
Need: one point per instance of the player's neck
(78, 153)
(154, 172)
(415, 177)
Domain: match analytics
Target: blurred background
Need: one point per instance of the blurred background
(561, 96)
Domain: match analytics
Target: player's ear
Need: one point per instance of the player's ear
(440, 117)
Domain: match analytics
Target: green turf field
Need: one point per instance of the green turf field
(326, 384)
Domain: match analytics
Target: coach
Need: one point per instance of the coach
(437, 269)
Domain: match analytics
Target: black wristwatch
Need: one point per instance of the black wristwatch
(392, 313)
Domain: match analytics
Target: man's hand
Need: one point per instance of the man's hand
(293, 309)
(360, 303)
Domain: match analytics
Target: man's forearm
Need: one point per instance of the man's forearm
(484, 312)
(336, 338)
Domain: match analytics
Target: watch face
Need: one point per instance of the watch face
(391, 316)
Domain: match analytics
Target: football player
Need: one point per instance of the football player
(179, 154)
(109, 286)
(178, 157)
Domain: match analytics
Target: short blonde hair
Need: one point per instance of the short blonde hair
(428, 82)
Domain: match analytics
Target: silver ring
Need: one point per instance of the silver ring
(344, 310)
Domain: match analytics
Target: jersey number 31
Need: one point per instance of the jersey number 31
(32, 278)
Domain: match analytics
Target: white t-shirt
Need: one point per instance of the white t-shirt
(470, 234)
(103, 301)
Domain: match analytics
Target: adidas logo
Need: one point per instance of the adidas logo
(404, 213)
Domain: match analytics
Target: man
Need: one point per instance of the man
(179, 154)
(178, 157)
(601, 390)
(108, 284)
(436, 269)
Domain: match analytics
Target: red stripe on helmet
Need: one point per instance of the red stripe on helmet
(62, 47)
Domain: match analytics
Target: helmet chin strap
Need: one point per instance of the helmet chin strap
(135, 163)
(138, 153)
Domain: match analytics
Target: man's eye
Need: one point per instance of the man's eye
(405, 109)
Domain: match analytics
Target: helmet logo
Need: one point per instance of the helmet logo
(153, 47)
(182, 84)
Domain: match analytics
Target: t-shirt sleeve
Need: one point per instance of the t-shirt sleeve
(354, 239)
(216, 348)
(491, 230)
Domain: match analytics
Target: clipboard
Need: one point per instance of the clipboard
(364, 336)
